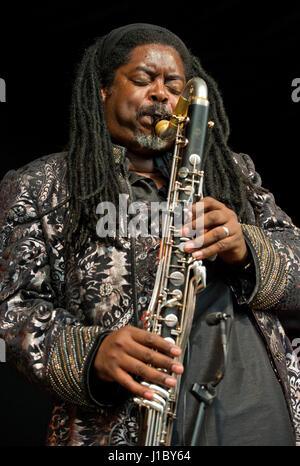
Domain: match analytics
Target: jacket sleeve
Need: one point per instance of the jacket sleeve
(274, 244)
(46, 343)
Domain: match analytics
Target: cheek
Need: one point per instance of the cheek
(127, 107)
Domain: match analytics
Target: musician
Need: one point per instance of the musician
(72, 301)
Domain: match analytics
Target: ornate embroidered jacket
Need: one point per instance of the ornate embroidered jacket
(53, 317)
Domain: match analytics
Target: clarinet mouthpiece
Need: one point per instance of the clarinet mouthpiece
(164, 130)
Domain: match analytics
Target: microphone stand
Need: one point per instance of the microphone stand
(205, 393)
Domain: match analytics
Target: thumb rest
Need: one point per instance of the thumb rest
(179, 276)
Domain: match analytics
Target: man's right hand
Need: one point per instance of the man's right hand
(130, 350)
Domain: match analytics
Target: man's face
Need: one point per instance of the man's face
(147, 86)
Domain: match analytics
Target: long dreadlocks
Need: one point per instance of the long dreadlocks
(92, 172)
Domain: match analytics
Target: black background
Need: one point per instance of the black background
(250, 48)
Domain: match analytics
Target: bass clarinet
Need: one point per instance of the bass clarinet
(179, 276)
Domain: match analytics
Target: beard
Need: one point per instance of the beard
(150, 141)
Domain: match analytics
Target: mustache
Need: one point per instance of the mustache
(155, 111)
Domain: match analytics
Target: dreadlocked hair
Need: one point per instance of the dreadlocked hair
(223, 178)
(91, 168)
(92, 173)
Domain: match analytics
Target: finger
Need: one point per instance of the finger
(155, 358)
(216, 235)
(216, 218)
(194, 227)
(206, 204)
(205, 218)
(148, 373)
(151, 340)
(205, 222)
(213, 249)
(128, 382)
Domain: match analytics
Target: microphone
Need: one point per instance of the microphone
(216, 317)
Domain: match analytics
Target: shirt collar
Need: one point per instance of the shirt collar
(162, 161)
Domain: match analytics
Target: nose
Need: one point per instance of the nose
(158, 92)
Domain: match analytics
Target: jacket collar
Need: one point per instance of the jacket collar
(119, 153)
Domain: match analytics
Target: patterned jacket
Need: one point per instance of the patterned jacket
(54, 314)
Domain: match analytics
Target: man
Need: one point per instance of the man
(72, 301)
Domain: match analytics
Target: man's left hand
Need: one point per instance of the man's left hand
(221, 233)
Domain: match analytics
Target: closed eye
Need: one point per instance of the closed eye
(170, 88)
(173, 90)
(140, 83)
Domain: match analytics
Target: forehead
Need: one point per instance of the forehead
(158, 57)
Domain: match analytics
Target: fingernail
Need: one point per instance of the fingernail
(148, 395)
(188, 216)
(170, 381)
(175, 351)
(185, 231)
(189, 245)
(177, 368)
(197, 254)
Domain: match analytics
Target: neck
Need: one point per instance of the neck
(140, 164)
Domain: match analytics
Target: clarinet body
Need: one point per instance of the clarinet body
(179, 276)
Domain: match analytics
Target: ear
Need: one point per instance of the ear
(103, 93)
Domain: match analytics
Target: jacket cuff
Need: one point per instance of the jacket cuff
(241, 280)
(69, 363)
(103, 394)
(271, 277)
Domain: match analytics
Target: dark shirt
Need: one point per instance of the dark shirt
(249, 408)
